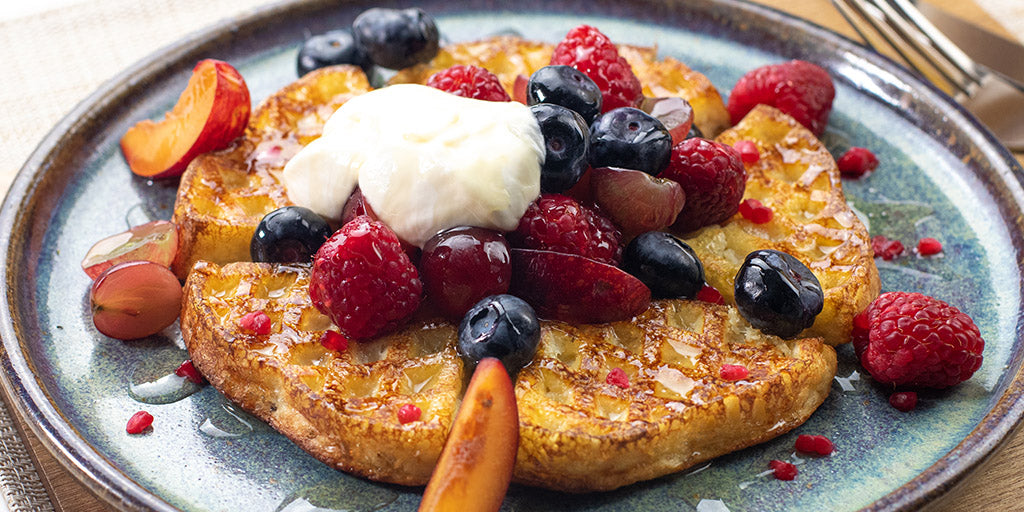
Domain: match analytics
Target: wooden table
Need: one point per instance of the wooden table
(998, 486)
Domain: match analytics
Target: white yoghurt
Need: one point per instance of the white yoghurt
(425, 160)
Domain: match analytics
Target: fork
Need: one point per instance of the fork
(994, 100)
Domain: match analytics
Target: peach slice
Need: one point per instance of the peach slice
(475, 467)
(211, 112)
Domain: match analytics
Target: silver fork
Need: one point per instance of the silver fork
(995, 101)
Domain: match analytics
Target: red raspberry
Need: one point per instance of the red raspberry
(798, 88)
(783, 470)
(904, 401)
(885, 248)
(256, 322)
(713, 177)
(363, 280)
(857, 162)
(819, 445)
(710, 294)
(756, 212)
(469, 81)
(188, 370)
(588, 50)
(558, 223)
(409, 413)
(733, 372)
(928, 246)
(139, 422)
(909, 339)
(618, 377)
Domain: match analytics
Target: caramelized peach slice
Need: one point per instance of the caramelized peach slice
(475, 467)
(211, 112)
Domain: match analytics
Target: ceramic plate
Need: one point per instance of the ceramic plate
(942, 176)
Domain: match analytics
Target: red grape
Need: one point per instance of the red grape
(135, 299)
(155, 241)
(461, 266)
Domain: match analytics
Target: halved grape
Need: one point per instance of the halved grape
(155, 241)
(135, 299)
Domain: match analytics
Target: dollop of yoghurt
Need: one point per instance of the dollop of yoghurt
(425, 161)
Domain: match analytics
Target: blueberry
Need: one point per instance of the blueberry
(629, 138)
(565, 86)
(777, 293)
(330, 48)
(500, 326)
(566, 141)
(396, 38)
(665, 264)
(287, 235)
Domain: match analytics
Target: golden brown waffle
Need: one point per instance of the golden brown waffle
(798, 179)
(577, 432)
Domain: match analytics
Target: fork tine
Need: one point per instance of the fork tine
(939, 40)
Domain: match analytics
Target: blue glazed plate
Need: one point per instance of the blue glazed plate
(942, 176)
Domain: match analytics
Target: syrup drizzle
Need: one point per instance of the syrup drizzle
(153, 381)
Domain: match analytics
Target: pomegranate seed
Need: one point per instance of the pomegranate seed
(139, 422)
(748, 151)
(733, 372)
(188, 370)
(710, 294)
(783, 470)
(885, 248)
(334, 340)
(819, 445)
(856, 162)
(928, 246)
(756, 212)
(408, 413)
(618, 377)
(903, 401)
(256, 322)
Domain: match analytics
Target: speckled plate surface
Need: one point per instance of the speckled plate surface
(942, 176)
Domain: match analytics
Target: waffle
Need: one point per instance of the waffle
(798, 179)
(577, 432)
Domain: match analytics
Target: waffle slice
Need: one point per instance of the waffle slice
(798, 179)
(577, 431)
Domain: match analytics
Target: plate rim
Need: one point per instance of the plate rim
(28, 398)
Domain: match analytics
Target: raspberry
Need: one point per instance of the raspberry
(588, 50)
(733, 372)
(363, 280)
(798, 88)
(188, 370)
(903, 401)
(928, 246)
(558, 223)
(408, 413)
(139, 422)
(334, 340)
(756, 212)
(783, 470)
(885, 248)
(618, 377)
(818, 445)
(256, 322)
(909, 339)
(857, 162)
(710, 294)
(713, 177)
(469, 82)
(748, 151)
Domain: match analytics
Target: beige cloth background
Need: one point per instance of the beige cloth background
(56, 52)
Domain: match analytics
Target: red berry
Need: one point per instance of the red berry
(363, 280)
(903, 401)
(409, 413)
(798, 88)
(885, 248)
(819, 445)
(469, 81)
(334, 340)
(916, 340)
(783, 470)
(928, 246)
(256, 322)
(560, 224)
(713, 177)
(618, 377)
(139, 422)
(748, 151)
(733, 372)
(461, 266)
(756, 212)
(710, 294)
(588, 50)
(188, 370)
(857, 162)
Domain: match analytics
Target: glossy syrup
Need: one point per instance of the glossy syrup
(153, 380)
